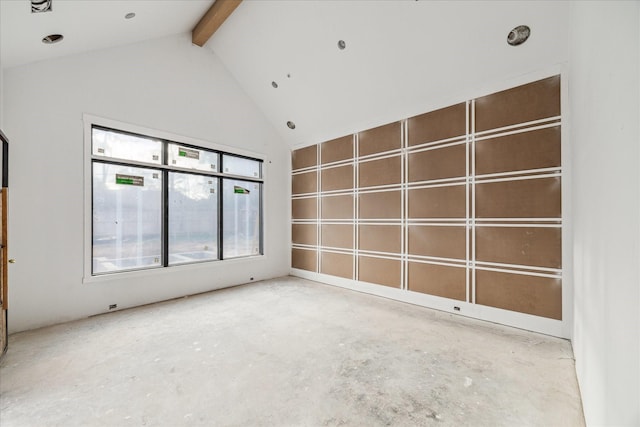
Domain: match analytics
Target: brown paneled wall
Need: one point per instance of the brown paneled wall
(463, 203)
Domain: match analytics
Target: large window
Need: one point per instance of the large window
(158, 203)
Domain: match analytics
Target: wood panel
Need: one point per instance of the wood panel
(304, 183)
(337, 207)
(533, 101)
(522, 151)
(338, 178)
(539, 296)
(304, 157)
(380, 238)
(380, 271)
(340, 265)
(304, 234)
(438, 202)
(448, 162)
(439, 280)
(436, 125)
(4, 255)
(532, 246)
(438, 241)
(380, 139)
(304, 208)
(337, 235)
(380, 205)
(336, 149)
(304, 259)
(527, 198)
(380, 172)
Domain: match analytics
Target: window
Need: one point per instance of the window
(158, 203)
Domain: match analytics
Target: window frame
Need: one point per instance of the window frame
(91, 122)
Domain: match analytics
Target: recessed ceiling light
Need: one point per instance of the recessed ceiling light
(129, 15)
(52, 38)
(518, 35)
(341, 44)
(291, 125)
(275, 85)
(38, 6)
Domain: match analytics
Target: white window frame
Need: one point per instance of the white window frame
(89, 121)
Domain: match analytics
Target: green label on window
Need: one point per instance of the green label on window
(130, 180)
(188, 153)
(240, 190)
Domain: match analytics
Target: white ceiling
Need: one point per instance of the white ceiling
(402, 57)
(89, 25)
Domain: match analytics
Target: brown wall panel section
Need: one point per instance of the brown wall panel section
(340, 265)
(337, 235)
(336, 149)
(380, 238)
(439, 280)
(527, 198)
(380, 139)
(304, 157)
(304, 183)
(521, 151)
(304, 259)
(380, 271)
(533, 246)
(539, 296)
(448, 162)
(444, 242)
(440, 124)
(533, 101)
(337, 207)
(304, 234)
(339, 178)
(380, 205)
(380, 172)
(438, 202)
(304, 208)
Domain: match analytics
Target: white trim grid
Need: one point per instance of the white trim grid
(470, 222)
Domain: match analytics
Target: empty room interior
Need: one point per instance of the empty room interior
(320, 213)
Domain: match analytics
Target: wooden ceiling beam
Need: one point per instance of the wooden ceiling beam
(212, 20)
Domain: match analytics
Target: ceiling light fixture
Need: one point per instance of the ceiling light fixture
(341, 44)
(275, 85)
(518, 35)
(38, 6)
(52, 38)
(129, 15)
(291, 125)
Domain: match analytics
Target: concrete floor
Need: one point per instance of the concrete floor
(286, 352)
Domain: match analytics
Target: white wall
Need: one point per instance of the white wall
(165, 84)
(604, 97)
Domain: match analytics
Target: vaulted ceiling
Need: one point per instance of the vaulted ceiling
(400, 58)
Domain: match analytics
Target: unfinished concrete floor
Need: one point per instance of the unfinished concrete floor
(286, 352)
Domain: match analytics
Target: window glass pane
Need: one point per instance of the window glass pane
(192, 158)
(240, 166)
(124, 146)
(193, 218)
(127, 210)
(241, 220)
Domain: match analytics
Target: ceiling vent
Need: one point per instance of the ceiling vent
(39, 6)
